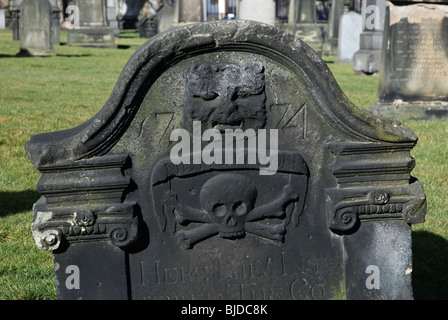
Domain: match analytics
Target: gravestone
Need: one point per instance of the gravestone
(414, 71)
(256, 10)
(165, 18)
(336, 12)
(302, 22)
(111, 14)
(2, 20)
(128, 12)
(93, 30)
(188, 11)
(368, 58)
(35, 28)
(349, 35)
(228, 164)
(15, 7)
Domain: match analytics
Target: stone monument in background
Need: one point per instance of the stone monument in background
(367, 59)
(228, 164)
(36, 37)
(257, 10)
(93, 30)
(414, 68)
(165, 18)
(111, 14)
(2, 19)
(188, 12)
(336, 12)
(349, 36)
(15, 8)
(302, 22)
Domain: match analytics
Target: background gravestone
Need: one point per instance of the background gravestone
(165, 18)
(336, 12)
(368, 58)
(256, 10)
(15, 17)
(349, 34)
(302, 22)
(111, 14)
(137, 223)
(414, 70)
(35, 28)
(93, 30)
(2, 20)
(188, 11)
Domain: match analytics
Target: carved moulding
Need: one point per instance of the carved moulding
(82, 201)
(374, 182)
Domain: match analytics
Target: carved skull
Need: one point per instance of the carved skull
(228, 198)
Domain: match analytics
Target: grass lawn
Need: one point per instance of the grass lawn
(48, 94)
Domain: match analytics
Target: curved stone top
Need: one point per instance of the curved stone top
(99, 134)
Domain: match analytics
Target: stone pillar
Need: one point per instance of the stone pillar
(337, 9)
(56, 15)
(302, 23)
(36, 37)
(15, 17)
(94, 30)
(256, 10)
(414, 63)
(111, 15)
(367, 59)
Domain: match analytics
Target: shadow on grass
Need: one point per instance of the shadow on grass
(15, 202)
(430, 261)
(49, 57)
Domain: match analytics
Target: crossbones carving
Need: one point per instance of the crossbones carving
(228, 210)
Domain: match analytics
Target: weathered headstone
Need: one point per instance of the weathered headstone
(336, 12)
(165, 18)
(36, 38)
(93, 29)
(15, 17)
(414, 70)
(128, 12)
(228, 164)
(302, 22)
(188, 11)
(111, 14)
(256, 10)
(2, 20)
(368, 58)
(349, 34)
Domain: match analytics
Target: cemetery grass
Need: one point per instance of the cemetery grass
(48, 94)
